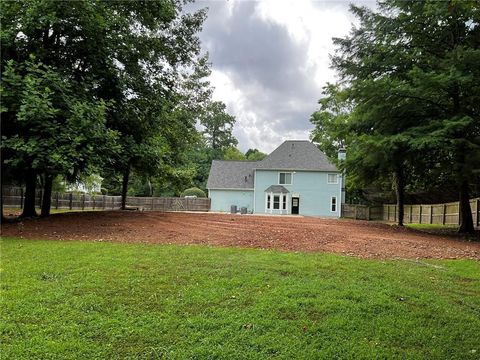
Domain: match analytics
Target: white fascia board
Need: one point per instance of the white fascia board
(234, 189)
(290, 170)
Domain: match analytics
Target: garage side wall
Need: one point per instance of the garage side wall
(222, 200)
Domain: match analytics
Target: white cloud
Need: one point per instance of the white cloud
(312, 24)
(270, 62)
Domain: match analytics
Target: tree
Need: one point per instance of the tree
(232, 153)
(255, 155)
(50, 130)
(218, 127)
(412, 72)
(135, 56)
(331, 121)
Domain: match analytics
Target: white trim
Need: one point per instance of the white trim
(249, 189)
(285, 172)
(331, 204)
(293, 170)
(340, 197)
(328, 179)
(254, 187)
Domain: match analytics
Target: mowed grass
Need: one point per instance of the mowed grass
(86, 300)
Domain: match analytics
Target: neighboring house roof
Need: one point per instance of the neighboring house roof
(297, 155)
(291, 155)
(277, 189)
(230, 174)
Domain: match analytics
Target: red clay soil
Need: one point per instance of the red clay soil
(356, 238)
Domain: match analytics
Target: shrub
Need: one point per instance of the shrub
(194, 191)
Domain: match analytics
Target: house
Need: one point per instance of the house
(296, 178)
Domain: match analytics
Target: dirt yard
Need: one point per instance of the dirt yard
(356, 238)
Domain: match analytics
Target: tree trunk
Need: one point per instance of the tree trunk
(47, 196)
(126, 175)
(29, 203)
(400, 192)
(465, 211)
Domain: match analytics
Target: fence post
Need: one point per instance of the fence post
(478, 212)
(153, 205)
(21, 198)
(458, 213)
(431, 214)
(104, 201)
(93, 199)
(56, 200)
(70, 201)
(420, 215)
(41, 198)
(444, 219)
(395, 213)
(83, 202)
(411, 213)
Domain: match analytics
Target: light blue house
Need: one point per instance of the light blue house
(296, 178)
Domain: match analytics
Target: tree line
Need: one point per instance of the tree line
(407, 102)
(114, 88)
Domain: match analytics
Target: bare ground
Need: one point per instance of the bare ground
(355, 238)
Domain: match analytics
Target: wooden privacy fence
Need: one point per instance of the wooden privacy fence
(14, 198)
(362, 212)
(444, 214)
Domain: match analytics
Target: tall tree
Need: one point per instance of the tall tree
(51, 130)
(411, 69)
(218, 127)
(133, 55)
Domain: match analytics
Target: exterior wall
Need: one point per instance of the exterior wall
(314, 192)
(223, 199)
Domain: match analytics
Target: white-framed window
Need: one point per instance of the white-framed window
(333, 204)
(276, 201)
(285, 178)
(332, 179)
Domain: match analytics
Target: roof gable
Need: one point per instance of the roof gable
(297, 155)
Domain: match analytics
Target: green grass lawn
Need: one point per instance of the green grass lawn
(86, 300)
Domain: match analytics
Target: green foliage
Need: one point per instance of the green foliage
(135, 65)
(218, 126)
(331, 121)
(194, 191)
(410, 87)
(255, 155)
(50, 128)
(232, 153)
(109, 300)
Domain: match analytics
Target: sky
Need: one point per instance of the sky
(270, 60)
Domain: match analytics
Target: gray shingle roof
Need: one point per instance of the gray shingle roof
(297, 155)
(230, 174)
(291, 155)
(277, 189)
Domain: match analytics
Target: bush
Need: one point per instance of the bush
(194, 191)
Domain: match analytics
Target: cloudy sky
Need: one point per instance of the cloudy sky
(270, 60)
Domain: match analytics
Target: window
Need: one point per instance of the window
(276, 202)
(285, 178)
(333, 206)
(332, 179)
